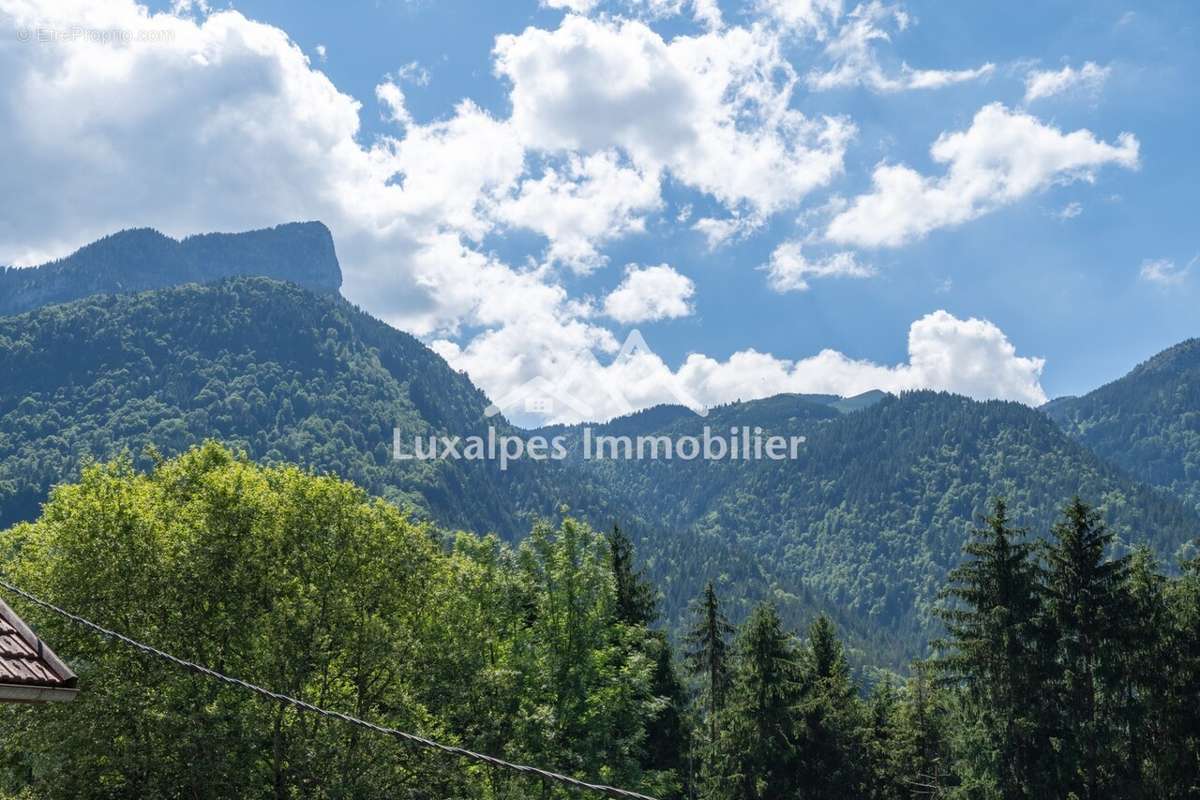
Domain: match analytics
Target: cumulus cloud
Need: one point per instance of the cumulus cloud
(218, 122)
(591, 200)
(1165, 272)
(852, 50)
(650, 293)
(1004, 156)
(1040, 84)
(789, 270)
(971, 357)
(714, 110)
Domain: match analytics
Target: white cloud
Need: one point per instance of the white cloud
(1166, 272)
(805, 17)
(718, 231)
(1004, 156)
(391, 97)
(971, 357)
(708, 12)
(1069, 211)
(1040, 84)
(855, 61)
(322, 52)
(714, 110)
(413, 72)
(249, 133)
(591, 200)
(705, 12)
(183, 8)
(789, 270)
(577, 6)
(650, 293)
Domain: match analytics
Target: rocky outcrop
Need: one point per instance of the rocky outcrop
(141, 259)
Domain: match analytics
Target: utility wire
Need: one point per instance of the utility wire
(409, 738)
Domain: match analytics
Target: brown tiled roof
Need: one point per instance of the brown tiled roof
(26, 661)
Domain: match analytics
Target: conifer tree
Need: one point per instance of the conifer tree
(921, 735)
(1087, 600)
(708, 655)
(831, 749)
(1182, 751)
(1143, 705)
(996, 648)
(637, 603)
(760, 750)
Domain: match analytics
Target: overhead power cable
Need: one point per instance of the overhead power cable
(409, 738)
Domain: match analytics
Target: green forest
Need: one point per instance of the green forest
(938, 598)
(1064, 671)
(1147, 422)
(863, 528)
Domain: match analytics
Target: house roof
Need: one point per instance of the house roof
(29, 670)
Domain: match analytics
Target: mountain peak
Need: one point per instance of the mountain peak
(138, 259)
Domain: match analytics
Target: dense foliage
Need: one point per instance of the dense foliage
(1147, 422)
(304, 584)
(264, 366)
(1066, 671)
(875, 511)
(864, 527)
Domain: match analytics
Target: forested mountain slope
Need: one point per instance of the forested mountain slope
(265, 366)
(864, 524)
(877, 507)
(292, 376)
(1148, 422)
(135, 260)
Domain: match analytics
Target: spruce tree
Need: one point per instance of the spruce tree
(707, 654)
(1181, 777)
(636, 605)
(1143, 706)
(1087, 599)
(637, 602)
(919, 755)
(996, 648)
(760, 739)
(831, 751)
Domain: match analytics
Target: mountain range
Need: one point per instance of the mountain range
(148, 346)
(1147, 422)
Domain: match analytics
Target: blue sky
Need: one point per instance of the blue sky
(1089, 266)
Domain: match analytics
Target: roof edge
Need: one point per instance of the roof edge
(25, 693)
(38, 646)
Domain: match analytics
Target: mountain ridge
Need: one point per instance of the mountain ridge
(868, 519)
(1147, 421)
(141, 259)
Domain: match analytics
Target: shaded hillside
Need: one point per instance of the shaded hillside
(265, 366)
(877, 507)
(864, 524)
(135, 260)
(1147, 422)
(292, 376)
